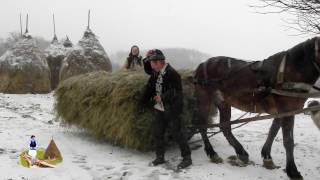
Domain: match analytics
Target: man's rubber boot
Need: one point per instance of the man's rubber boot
(158, 160)
(186, 162)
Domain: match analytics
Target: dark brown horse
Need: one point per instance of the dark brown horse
(229, 82)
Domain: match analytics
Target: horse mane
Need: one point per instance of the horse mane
(302, 53)
(278, 55)
(304, 47)
(297, 52)
(302, 57)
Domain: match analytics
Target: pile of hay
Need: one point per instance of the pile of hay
(52, 151)
(106, 104)
(55, 54)
(67, 43)
(87, 56)
(23, 68)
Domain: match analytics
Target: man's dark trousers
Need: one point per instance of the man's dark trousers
(162, 121)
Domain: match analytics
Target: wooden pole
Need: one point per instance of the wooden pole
(54, 26)
(20, 25)
(27, 22)
(88, 20)
(259, 118)
(295, 95)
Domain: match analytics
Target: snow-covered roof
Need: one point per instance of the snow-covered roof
(25, 51)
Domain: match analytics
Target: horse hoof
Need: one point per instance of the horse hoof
(244, 158)
(294, 175)
(301, 178)
(236, 161)
(216, 159)
(268, 164)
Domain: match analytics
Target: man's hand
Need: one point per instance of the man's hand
(141, 110)
(150, 53)
(157, 99)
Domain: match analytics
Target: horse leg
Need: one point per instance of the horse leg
(225, 116)
(287, 125)
(266, 150)
(214, 157)
(202, 110)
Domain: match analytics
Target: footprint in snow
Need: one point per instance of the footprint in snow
(80, 159)
(2, 151)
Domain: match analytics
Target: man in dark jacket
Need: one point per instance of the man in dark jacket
(164, 88)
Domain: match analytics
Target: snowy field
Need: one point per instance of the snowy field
(85, 158)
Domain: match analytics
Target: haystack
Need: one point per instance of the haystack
(87, 56)
(52, 151)
(23, 68)
(67, 43)
(55, 54)
(106, 104)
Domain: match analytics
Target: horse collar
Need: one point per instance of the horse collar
(280, 76)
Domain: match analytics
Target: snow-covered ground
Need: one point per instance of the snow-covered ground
(85, 158)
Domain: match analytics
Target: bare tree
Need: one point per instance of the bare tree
(305, 13)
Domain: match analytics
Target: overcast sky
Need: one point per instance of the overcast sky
(217, 27)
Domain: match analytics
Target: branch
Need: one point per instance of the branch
(306, 13)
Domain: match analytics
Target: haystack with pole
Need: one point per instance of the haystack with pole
(67, 43)
(23, 68)
(87, 56)
(52, 151)
(55, 54)
(107, 105)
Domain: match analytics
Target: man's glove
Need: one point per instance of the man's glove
(150, 53)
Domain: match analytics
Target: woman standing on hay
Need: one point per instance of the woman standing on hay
(33, 149)
(165, 89)
(134, 60)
